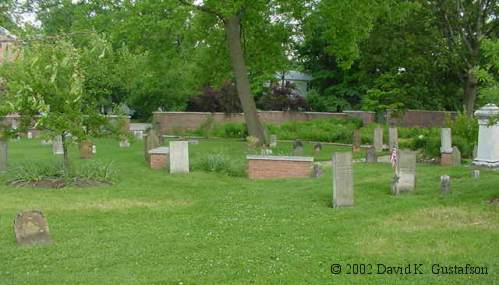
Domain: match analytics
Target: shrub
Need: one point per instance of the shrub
(220, 163)
(282, 98)
(211, 100)
(32, 172)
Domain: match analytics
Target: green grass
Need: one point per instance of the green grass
(205, 228)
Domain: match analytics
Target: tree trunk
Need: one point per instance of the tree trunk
(4, 150)
(470, 92)
(233, 30)
(65, 161)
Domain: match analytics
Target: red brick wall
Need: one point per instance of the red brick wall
(419, 118)
(158, 161)
(169, 122)
(269, 169)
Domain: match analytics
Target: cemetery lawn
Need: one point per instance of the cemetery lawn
(207, 228)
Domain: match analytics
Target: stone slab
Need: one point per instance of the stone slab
(31, 228)
(179, 157)
(342, 179)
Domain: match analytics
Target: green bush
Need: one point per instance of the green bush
(220, 163)
(36, 171)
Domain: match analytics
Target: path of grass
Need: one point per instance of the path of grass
(203, 228)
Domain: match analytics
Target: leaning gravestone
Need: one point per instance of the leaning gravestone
(342, 179)
(356, 140)
(31, 228)
(393, 138)
(371, 156)
(445, 184)
(273, 141)
(4, 151)
(57, 147)
(179, 157)
(456, 156)
(151, 141)
(297, 147)
(378, 139)
(318, 147)
(317, 171)
(405, 172)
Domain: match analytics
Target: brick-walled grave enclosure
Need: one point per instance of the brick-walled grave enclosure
(273, 167)
(159, 158)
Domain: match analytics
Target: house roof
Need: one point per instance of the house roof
(5, 34)
(294, 75)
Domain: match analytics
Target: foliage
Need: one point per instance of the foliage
(36, 171)
(488, 73)
(56, 86)
(223, 100)
(220, 163)
(282, 97)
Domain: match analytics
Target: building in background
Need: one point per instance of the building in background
(7, 46)
(299, 80)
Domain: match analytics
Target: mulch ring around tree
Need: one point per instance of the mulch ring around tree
(57, 183)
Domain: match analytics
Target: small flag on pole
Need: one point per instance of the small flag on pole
(393, 156)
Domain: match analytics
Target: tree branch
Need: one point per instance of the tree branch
(203, 8)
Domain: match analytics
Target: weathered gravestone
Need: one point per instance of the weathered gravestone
(318, 147)
(405, 172)
(297, 147)
(475, 173)
(342, 179)
(446, 158)
(273, 141)
(378, 139)
(94, 149)
(445, 184)
(30, 135)
(124, 143)
(31, 228)
(57, 147)
(356, 140)
(317, 171)
(371, 155)
(179, 157)
(151, 141)
(4, 151)
(456, 156)
(488, 137)
(393, 138)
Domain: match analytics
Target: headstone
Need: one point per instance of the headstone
(46, 142)
(31, 228)
(252, 142)
(317, 171)
(456, 156)
(371, 156)
(151, 141)
(273, 141)
(378, 139)
(342, 179)
(139, 134)
(94, 149)
(4, 151)
(297, 147)
(488, 137)
(393, 138)
(445, 140)
(266, 151)
(405, 172)
(318, 147)
(124, 143)
(356, 140)
(445, 184)
(179, 157)
(57, 147)
(30, 135)
(475, 173)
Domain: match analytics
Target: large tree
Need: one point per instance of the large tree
(466, 24)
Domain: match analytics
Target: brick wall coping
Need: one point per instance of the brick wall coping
(160, 150)
(209, 113)
(283, 158)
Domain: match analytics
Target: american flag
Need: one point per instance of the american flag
(393, 156)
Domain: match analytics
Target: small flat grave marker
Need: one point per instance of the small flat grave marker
(31, 228)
